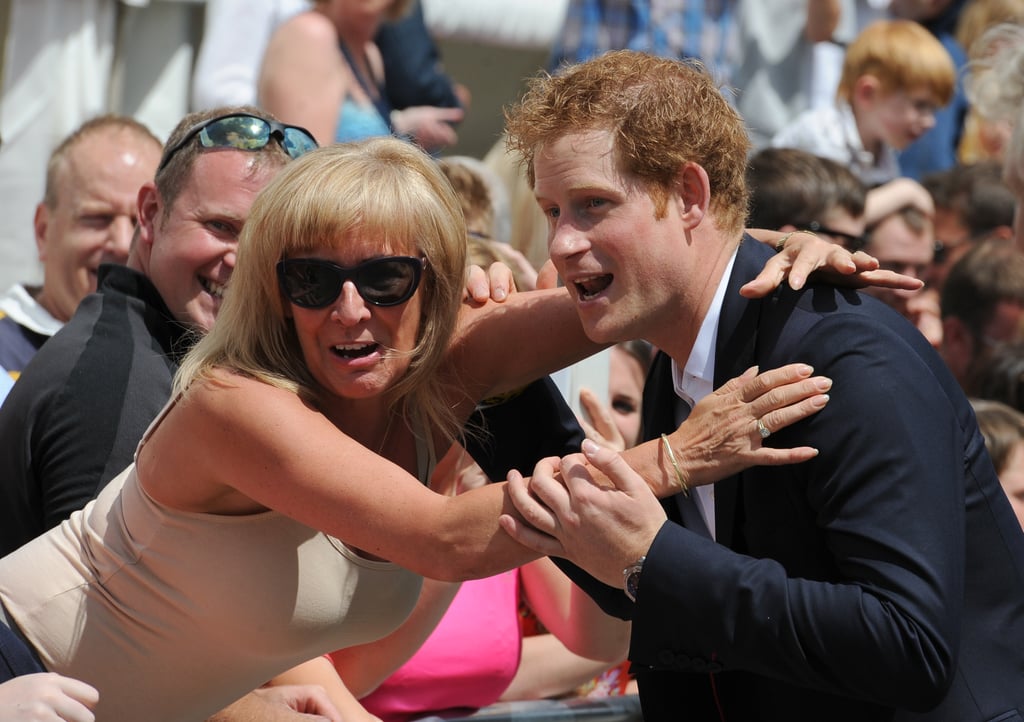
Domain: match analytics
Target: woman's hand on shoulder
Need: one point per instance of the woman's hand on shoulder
(725, 432)
(804, 253)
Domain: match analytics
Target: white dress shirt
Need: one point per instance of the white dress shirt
(697, 379)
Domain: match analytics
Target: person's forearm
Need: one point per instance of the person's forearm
(697, 455)
(547, 669)
(822, 19)
(364, 667)
(570, 614)
(481, 351)
(317, 672)
(888, 198)
(650, 461)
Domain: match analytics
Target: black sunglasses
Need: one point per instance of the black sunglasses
(850, 241)
(315, 283)
(244, 132)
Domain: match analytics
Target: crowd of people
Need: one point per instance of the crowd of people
(285, 427)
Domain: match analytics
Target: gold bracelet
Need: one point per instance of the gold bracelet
(680, 481)
(781, 243)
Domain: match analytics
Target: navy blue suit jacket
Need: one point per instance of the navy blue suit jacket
(413, 74)
(882, 579)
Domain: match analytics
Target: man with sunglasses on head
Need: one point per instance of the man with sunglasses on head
(80, 407)
(793, 189)
(904, 241)
(83, 402)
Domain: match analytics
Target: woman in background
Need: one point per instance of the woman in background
(323, 71)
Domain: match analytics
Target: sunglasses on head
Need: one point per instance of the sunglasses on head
(315, 283)
(848, 240)
(244, 132)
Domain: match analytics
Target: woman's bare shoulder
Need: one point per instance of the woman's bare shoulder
(305, 28)
(227, 394)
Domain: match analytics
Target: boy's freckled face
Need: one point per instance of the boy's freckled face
(903, 116)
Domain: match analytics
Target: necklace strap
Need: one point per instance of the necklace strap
(373, 91)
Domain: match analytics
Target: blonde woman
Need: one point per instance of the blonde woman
(279, 507)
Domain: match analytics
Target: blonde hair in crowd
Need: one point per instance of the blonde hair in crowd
(381, 188)
(1003, 428)
(902, 55)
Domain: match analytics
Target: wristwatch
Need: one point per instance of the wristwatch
(631, 578)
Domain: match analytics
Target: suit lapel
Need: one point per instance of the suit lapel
(738, 323)
(659, 407)
(735, 352)
(658, 412)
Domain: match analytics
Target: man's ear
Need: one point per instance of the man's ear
(693, 191)
(1004, 233)
(41, 222)
(957, 347)
(149, 207)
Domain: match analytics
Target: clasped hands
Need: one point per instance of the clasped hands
(598, 511)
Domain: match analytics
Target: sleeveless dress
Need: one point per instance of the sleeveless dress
(173, 615)
(358, 121)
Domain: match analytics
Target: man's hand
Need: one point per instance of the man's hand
(602, 529)
(598, 423)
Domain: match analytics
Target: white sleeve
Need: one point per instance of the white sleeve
(235, 36)
(532, 24)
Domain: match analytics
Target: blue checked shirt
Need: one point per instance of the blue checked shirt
(701, 29)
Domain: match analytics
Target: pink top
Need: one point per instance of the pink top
(466, 663)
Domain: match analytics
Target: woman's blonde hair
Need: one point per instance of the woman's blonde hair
(381, 188)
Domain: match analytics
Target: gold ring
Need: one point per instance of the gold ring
(762, 429)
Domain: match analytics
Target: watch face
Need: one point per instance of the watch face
(632, 581)
(631, 578)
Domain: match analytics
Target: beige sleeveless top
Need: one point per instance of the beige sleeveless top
(173, 615)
